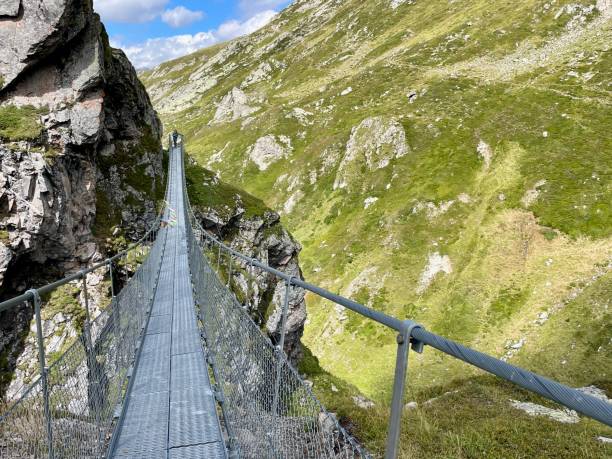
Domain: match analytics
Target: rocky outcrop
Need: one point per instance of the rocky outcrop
(302, 116)
(395, 4)
(373, 144)
(604, 7)
(532, 194)
(263, 72)
(234, 105)
(249, 227)
(264, 238)
(485, 153)
(80, 152)
(267, 150)
(436, 263)
(31, 31)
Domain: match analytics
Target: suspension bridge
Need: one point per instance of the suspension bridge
(175, 368)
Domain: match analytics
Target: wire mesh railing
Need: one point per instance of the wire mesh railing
(69, 409)
(269, 410)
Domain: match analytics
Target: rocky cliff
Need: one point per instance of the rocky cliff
(247, 225)
(80, 156)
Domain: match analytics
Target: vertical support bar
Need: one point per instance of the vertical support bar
(229, 274)
(112, 280)
(399, 385)
(249, 282)
(219, 261)
(116, 312)
(94, 386)
(280, 349)
(44, 372)
(86, 327)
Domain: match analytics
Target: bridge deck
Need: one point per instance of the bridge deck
(170, 411)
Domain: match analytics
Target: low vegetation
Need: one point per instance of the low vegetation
(20, 123)
(207, 191)
(64, 300)
(464, 418)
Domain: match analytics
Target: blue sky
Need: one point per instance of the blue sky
(154, 31)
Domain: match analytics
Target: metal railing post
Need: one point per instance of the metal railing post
(112, 280)
(116, 312)
(229, 274)
(219, 261)
(399, 386)
(280, 349)
(44, 371)
(86, 325)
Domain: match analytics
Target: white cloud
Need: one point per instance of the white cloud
(257, 6)
(132, 11)
(181, 16)
(156, 50)
(234, 28)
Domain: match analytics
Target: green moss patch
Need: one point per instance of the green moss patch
(20, 123)
(107, 215)
(64, 300)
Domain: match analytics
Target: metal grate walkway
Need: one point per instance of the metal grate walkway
(170, 409)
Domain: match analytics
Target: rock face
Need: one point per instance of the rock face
(10, 8)
(31, 31)
(257, 233)
(373, 143)
(485, 152)
(267, 150)
(263, 237)
(89, 161)
(262, 73)
(234, 105)
(435, 264)
(397, 3)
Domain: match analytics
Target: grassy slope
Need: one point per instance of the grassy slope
(510, 261)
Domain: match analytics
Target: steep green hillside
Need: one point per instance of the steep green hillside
(445, 161)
